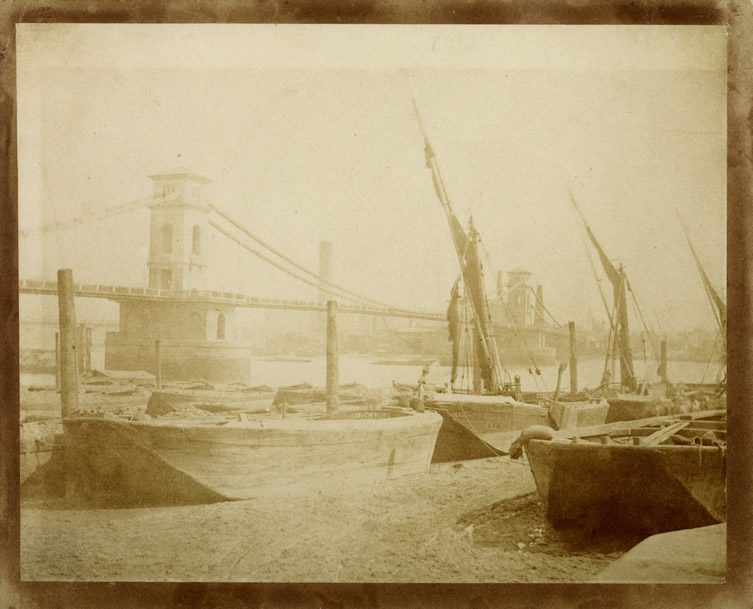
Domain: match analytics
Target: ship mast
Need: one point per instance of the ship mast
(466, 248)
(718, 306)
(621, 328)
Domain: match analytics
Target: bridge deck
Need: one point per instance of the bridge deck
(126, 293)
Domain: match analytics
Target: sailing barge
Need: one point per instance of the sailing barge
(481, 420)
(647, 476)
(628, 398)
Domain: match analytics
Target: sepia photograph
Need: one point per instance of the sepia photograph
(372, 303)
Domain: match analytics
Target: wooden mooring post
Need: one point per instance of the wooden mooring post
(88, 344)
(573, 358)
(157, 364)
(333, 383)
(57, 362)
(68, 355)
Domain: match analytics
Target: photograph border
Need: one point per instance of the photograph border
(737, 16)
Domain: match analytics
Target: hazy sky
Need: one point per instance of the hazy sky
(308, 133)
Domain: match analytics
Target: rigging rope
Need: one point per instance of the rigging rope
(280, 267)
(596, 277)
(106, 213)
(321, 280)
(610, 350)
(643, 321)
(519, 340)
(557, 324)
(522, 343)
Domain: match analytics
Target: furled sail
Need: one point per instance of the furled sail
(466, 248)
(619, 291)
(454, 327)
(720, 307)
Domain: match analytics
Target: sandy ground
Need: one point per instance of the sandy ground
(476, 521)
(472, 521)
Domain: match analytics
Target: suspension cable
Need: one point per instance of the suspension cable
(106, 213)
(321, 280)
(278, 266)
(557, 324)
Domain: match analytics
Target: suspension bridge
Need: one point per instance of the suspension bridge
(180, 190)
(212, 297)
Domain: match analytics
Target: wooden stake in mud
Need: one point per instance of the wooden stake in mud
(80, 349)
(157, 365)
(332, 361)
(560, 370)
(57, 362)
(88, 343)
(68, 363)
(573, 359)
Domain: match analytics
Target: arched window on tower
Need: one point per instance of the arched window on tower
(196, 240)
(167, 238)
(221, 326)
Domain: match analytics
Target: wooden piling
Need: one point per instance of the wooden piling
(68, 355)
(332, 357)
(80, 348)
(157, 364)
(560, 370)
(573, 358)
(88, 343)
(57, 362)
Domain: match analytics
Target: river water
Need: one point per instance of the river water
(362, 369)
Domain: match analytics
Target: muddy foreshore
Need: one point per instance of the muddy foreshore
(472, 521)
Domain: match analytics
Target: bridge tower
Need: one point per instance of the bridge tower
(179, 230)
(519, 301)
(198, 336)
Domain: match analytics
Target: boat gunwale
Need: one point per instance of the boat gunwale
(563, 444)
(406, 419)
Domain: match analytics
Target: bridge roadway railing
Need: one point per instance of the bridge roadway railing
(121, 293)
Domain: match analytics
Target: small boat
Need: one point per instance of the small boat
(405, 361)
(478, 426)
(210, 397)
(195, 456)
(95, 377)
(287, 359)
(566, 412)
(649, 476)
(303, 393)
(173, 461)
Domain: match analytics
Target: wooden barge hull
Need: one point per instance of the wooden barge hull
(583, 413)
(629, 407)
(163, 401)
(160, 462)
(475, 427)
(637, 488)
